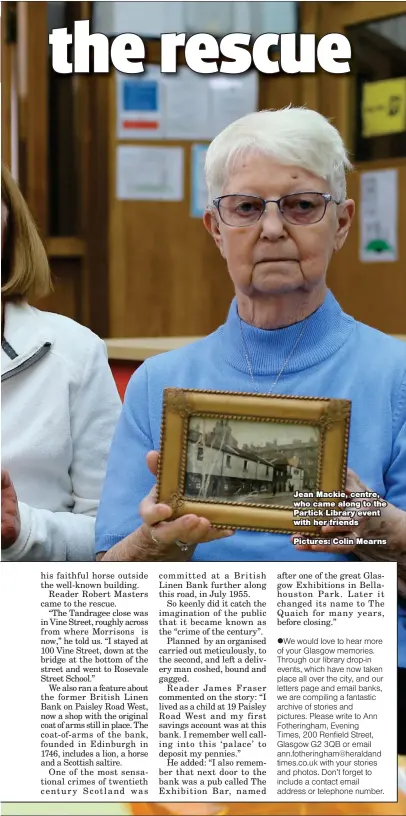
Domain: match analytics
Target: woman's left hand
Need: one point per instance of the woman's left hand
(389, 526)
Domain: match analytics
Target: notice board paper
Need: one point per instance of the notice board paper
(149, 173)
(186, 104)
(379, 216)
(230, 98)
(139, 102)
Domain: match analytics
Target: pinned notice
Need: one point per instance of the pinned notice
(383, 107)
(379, 216)
(149, 173)
(139, 105)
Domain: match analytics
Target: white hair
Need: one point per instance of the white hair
(291, 136)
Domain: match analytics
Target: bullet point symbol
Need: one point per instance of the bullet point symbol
(280, 640)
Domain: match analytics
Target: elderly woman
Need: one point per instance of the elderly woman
(278, 212)
(59, 406)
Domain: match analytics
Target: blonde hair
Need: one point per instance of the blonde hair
(295, 136)
(25, 272)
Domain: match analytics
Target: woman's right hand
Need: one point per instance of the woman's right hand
(158, 538)
(10, 516)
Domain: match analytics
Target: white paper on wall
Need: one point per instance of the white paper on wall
(379, 216)
(149, 173)
(230, 98)
(185, 104)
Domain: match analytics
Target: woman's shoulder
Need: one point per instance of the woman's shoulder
(74, 349)
(178, 367)
(186, 357)
(66, 335)
(376, 342)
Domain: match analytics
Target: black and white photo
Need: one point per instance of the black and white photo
(249, 461)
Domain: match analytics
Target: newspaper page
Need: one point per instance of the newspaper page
(202, 684)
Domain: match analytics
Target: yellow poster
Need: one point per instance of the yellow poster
(383, 107)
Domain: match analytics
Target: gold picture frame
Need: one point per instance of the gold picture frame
(199, 442)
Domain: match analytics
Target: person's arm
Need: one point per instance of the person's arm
(69, 536)
(391, 524)
(128, 479)
(128, 511)
(47, 536)
(395, 476)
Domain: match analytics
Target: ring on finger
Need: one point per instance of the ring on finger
(181, 544)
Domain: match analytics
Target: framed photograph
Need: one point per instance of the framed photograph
(240, 459)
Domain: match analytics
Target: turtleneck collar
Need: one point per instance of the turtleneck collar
(326, 330)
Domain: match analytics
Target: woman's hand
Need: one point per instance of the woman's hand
(10, 516)
(158, 538)
(389, 526)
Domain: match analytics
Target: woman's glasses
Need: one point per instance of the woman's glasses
(297, 208)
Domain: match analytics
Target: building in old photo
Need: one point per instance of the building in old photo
(217, 467)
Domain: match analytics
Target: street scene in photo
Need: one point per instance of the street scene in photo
(250, 461)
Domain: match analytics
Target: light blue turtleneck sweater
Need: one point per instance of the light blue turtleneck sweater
(336, 357)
